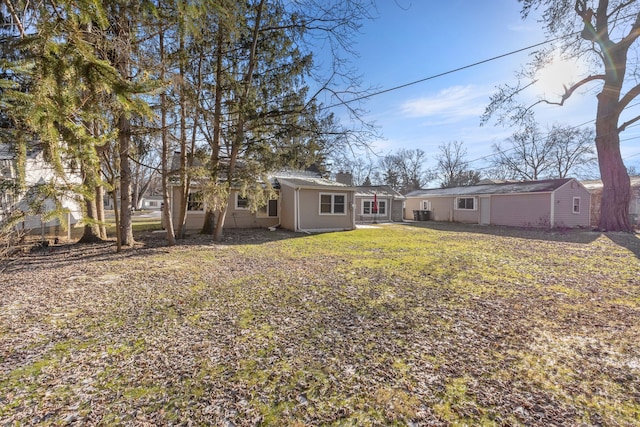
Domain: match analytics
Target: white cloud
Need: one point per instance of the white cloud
(453, 103)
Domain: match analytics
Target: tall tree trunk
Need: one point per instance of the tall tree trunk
(100, 211)
(135, 187)
(124, 141)
(616, 191)
(123, 64)
(208, 227)
(238, 138)
(185, 181)
(167, 218)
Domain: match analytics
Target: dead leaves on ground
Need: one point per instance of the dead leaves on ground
(312, 331)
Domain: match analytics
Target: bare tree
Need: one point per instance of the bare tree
(573, 150)
(404, 171)
(526, 154)
(452, 167)
(604, 34)
(531, 154)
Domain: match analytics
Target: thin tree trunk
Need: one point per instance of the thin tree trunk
(117, 219)
(208, 227)
(239, 134)
(124, 140)
(185, 181)
(167, 219)
(100, 211)
(125, 229)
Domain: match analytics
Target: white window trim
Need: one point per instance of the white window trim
(333, 203)
(263, 212)
(426, 205)
(238, 208)
(475, 204)
(573, 205)
(380, 201)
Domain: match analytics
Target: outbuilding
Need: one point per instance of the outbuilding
(544, 204)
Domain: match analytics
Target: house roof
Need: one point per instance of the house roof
(596, 184)
(311, 182)
(543, 186)
(379, 190)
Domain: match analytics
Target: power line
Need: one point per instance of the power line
(455, 70)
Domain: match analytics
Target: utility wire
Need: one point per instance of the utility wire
(455, 70)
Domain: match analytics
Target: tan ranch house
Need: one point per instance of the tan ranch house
(305, 202)
(546, 204)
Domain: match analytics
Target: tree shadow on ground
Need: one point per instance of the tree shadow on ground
(581, 236)
(630, 241)
(627, 240)
(147, 243)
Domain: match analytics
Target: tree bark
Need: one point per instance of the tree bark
(167, 219)
(238, 138)
(100, 211)
(616, 191)
(91, 233)
(185, 178)
(208, 227)
(124, 141)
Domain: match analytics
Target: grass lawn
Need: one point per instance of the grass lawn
(392, 325)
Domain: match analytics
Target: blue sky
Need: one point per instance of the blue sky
(412, 40)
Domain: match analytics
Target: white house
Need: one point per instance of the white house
(37, 172)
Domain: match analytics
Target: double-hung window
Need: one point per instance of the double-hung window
(368, 207)
(333, 204)
(465, 203)
(242, 203)
(576, 205)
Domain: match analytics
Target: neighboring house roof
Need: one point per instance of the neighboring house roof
(379, 190)
(596, 184)
(312, 183)
(544, 186)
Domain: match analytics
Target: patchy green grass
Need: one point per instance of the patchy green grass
(394, 325)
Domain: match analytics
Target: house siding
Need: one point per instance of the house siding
(441, 207)
(563, 206)
(287, 208)
(397, 208)
(527, 204)
(309, 215)
(370, 217)
(244, 218)
(521, 210)
(235, 218)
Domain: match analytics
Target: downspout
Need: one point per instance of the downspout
(296, 212)
(352, 206)
(553, 210)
